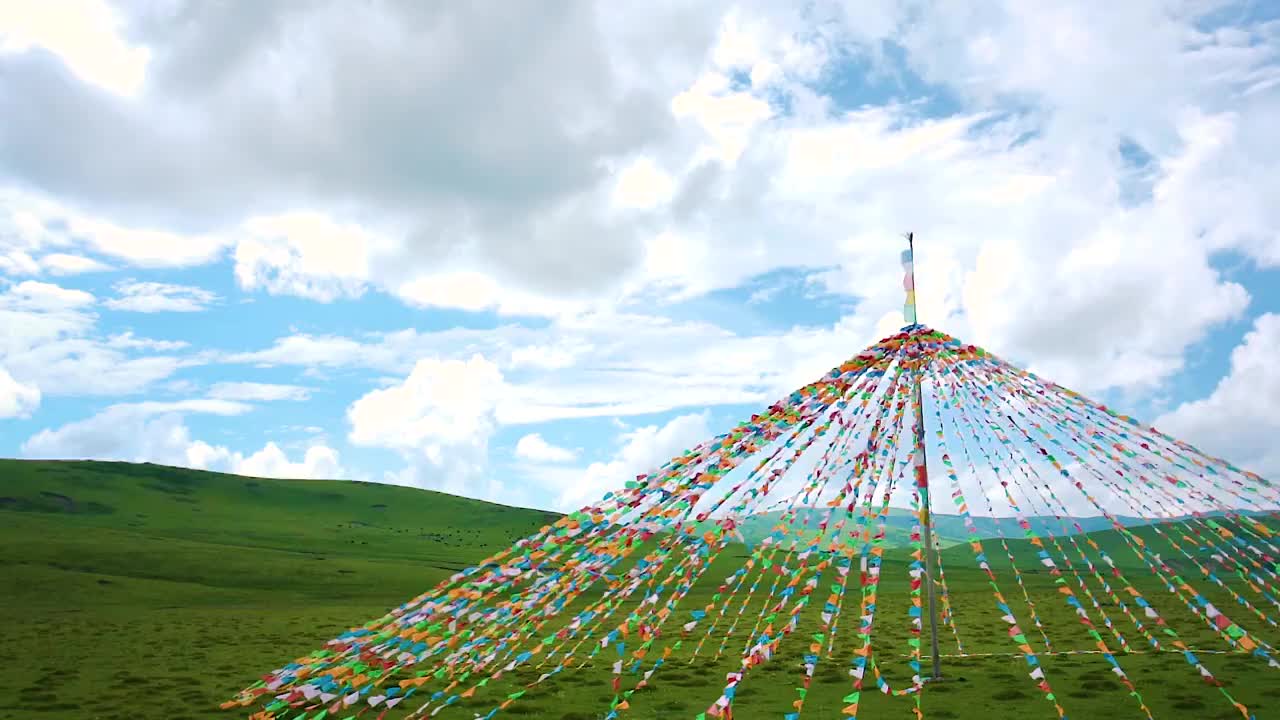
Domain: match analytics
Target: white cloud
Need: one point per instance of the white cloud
(85, 34)
(546, 358)
(1047, 239)
(727, 116)
(306, 254)
(476, 291)
(35, 313)
(439, 418)
(462, 190)
(1239, 420)
(318, 463)
(38, 296)
(675, 263)
(397, 351)
(65, 264)
(48, 341)
(642, 449)
(143, 247)
(605, 364)
(34, 224)
(17, 399)
(471, 291)
(156, 432)
(79, 367)
(115, 435)
(261, 392)
(445, 401)
(321, 351)
(211, 406)
(1092, 344)
(127, 341)
(645, 364)
(18, 262)
(200, 455)
(151, 297)
(135, 432)
(534, 448)
(643, 185)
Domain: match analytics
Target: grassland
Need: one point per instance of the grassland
(138, 591)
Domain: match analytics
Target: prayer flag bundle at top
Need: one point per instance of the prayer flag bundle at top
(909, 284)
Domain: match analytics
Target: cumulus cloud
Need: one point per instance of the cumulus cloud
(440, 418)
(18, 262)
(43, 232)
(36, 296)
(534, 448)
(16, 399)
(66, 264)
(318, 463)
(446, 400)
(147, 431)
(83, 34)
(694, 153)
(463, 184)
(476, 291)
(151, 297)
(304, 254)
(157, 432)
(1239, 420)
(640, 450)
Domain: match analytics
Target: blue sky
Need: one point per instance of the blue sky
(299, 241)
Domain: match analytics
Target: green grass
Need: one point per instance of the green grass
(138, 591)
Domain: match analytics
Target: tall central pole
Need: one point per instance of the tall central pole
(921, 467)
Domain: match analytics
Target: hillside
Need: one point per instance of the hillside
(336, 519)
(156, 591)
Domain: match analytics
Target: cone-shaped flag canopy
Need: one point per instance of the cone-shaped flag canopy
(788, 553)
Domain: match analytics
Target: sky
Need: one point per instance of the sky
(525, 251)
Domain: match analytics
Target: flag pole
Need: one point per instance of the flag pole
(921, 466)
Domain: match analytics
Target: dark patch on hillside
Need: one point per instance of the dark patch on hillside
(168, 488)
(165, 475)
(65, 501)
(52, 502)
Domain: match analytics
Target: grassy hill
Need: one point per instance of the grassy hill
(115, 574)
(366, 520)
(140, 591)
